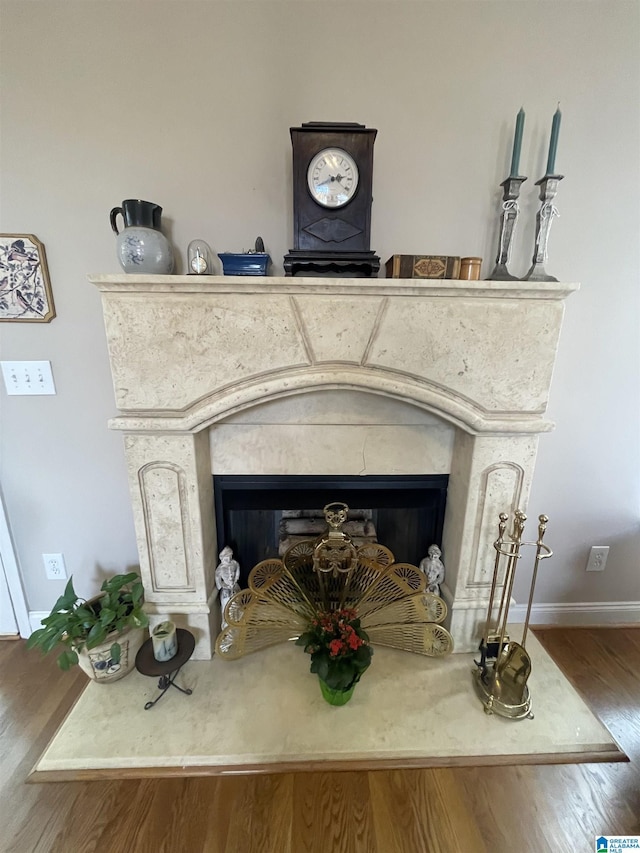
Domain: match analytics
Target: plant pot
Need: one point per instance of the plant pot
(244, 263)
(336, 697)
(97, 662)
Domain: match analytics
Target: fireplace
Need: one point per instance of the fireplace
(260, 516)
(218, 377)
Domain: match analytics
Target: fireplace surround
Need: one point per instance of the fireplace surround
(279, 376)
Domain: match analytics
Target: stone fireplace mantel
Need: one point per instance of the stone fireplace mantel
(194, 352)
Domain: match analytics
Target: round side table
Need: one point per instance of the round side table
(166, 670)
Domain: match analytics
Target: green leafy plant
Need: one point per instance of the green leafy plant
(78, 624)
(339, 648)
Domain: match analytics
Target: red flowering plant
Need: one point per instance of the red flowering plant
(339, 648)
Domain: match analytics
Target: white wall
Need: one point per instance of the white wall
(189, 104)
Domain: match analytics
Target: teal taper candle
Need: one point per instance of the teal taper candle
(517, 144)
(553, 142)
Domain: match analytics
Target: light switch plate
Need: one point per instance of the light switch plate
(28, 377)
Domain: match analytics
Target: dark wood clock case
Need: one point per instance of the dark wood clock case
(332, 241)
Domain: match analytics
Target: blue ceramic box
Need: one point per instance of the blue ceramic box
(249, 263)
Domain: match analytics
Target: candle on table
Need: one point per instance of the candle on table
(164, 640)
(517, 144)
(553, 141)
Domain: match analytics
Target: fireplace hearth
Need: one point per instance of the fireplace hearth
(212, 375)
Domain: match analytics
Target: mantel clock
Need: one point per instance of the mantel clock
(332, 196)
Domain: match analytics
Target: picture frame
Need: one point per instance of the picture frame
(25, 287)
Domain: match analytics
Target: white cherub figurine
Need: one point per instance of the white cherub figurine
(227, 575)
(433, 568)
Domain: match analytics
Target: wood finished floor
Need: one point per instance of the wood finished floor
(559, 808)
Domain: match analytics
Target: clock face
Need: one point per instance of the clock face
(198, 264)
(332, 177)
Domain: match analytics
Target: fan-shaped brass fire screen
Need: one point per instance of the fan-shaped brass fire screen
(330, 573)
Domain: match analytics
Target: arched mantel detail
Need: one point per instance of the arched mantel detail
(480, 357)
(455, 409)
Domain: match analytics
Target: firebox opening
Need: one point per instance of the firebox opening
(405, 513)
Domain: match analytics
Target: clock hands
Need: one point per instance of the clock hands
(339, 178)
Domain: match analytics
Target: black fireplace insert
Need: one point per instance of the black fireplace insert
(405, 513)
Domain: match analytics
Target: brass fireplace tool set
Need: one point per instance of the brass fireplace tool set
(504, 666)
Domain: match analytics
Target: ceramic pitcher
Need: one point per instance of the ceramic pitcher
(142, 247)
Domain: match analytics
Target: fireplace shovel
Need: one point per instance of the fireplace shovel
(511, 673)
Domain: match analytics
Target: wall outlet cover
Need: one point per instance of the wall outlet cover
(597, 558)
(54, 566)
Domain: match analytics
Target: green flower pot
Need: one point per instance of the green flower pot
(336, 697)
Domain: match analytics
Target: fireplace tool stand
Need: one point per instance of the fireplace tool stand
(503, 670)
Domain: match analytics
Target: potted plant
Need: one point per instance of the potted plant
(340, 652)
(102, 635)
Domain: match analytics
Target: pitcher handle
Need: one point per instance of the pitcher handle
(112, 217)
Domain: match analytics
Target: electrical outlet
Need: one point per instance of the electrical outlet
(28, 377)
(55, 567)
(597, 558)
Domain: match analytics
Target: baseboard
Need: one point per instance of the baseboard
(35, 619)
(579, 613)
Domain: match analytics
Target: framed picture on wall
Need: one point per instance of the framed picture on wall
(25, 289)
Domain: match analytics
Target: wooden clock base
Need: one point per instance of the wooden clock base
(299, 262)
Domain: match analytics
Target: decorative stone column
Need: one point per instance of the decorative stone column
(172, 497)
(489, 475)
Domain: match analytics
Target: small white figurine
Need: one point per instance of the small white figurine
(433, 568)
(227, 575)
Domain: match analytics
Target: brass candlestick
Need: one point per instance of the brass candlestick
(510, 211)
(505, 666)
(548, 211)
